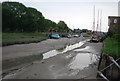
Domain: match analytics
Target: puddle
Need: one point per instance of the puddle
(87, 48)
(50, 54)
(82, 60)
(62, 50)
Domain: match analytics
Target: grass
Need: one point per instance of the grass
(112, 47)
(0, 38)
(20, 38)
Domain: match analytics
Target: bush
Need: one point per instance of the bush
(114, 30)
(116, 36)
(112, 47)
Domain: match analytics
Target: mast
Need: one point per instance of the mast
(94, 18)
(100, 20)
(97, 21)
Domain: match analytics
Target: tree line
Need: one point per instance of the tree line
(16, 17)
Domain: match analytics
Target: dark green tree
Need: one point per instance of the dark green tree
(62, 27)
(37, 19)
(48, 24)
(13, 14)
(18, 18)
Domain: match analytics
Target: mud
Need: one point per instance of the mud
(77, 63)
(17, 51)
(17, 56)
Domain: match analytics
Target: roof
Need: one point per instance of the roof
(113, 16)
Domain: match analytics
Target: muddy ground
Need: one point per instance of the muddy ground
(17, 56)
(77, 61)
(16, 51)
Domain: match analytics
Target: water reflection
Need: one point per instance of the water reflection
(50, 54)
(71, 47)
(82, 60)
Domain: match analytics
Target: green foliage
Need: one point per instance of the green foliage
(112, 47)
(49, 24)
(114, 32)
(112, 43)
(37, 18)
(62, 27)
(18, 18)
(13, 14)
(0, 6)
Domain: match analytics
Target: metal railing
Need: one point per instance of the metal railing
(114, 62)
(101, 74)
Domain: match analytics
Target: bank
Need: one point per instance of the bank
(110, 57)
(22, 38)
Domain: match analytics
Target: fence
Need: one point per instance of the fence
(109, 68)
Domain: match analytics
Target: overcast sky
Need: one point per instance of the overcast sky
(76, 13)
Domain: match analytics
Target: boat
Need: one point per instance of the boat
(54, 36)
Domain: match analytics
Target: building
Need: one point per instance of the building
(113, 20)
(119, 8)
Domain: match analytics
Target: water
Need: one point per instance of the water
(82, 60)
(50, 54)
(89, 49)
(63, 50)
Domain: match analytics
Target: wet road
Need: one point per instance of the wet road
(75, 61)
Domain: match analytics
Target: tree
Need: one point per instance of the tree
(12, 16)
(38, 19)
(62, 27)
(114, 32)
(48, 24)
(19, 18)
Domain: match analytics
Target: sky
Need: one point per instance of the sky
(75, 13)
